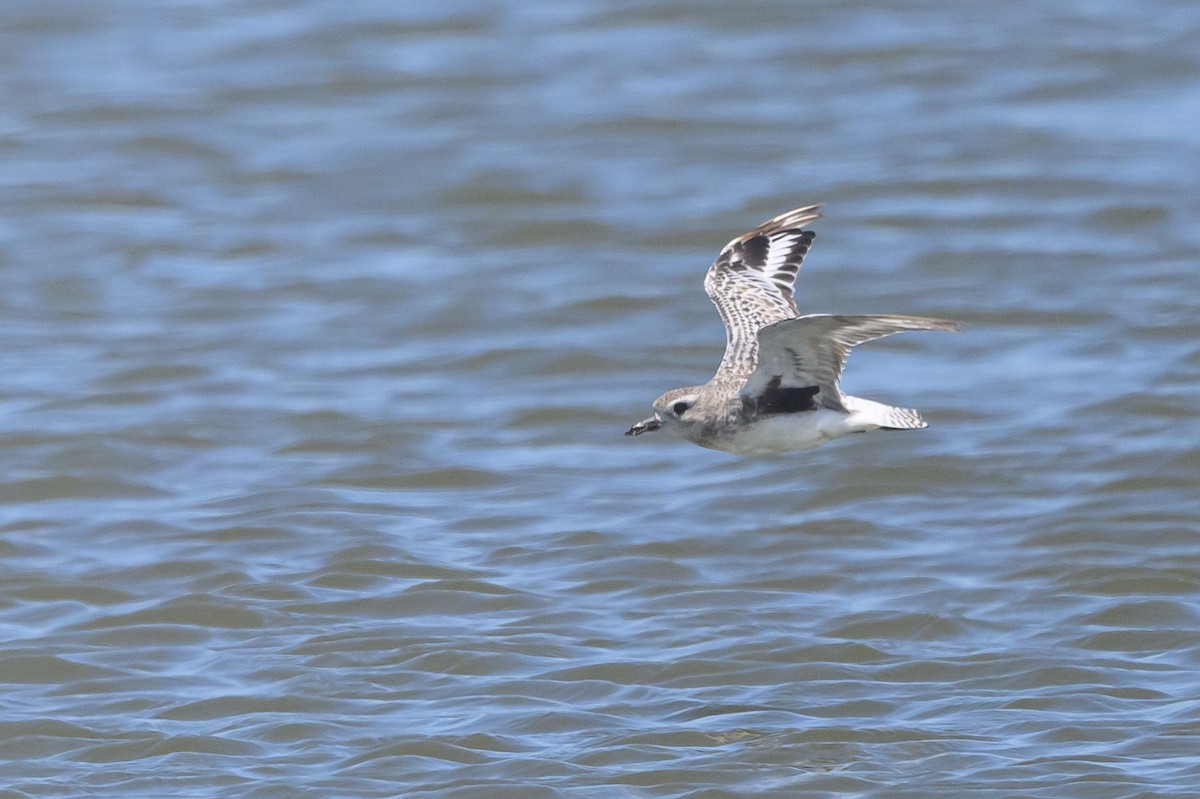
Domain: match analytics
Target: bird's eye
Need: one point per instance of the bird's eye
(680, 408)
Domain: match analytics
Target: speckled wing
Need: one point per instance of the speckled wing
(751, 284)
(811, 351)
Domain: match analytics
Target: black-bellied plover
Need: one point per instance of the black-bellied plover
(776, 389)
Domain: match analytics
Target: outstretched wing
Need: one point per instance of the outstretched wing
(751, 284)
(811, 350)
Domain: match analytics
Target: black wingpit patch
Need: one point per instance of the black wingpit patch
(786, 400)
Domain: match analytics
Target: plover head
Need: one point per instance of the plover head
(671, 412)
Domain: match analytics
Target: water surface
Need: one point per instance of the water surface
(320, 325)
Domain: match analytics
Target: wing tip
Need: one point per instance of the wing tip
(949, 325)
(793, 218)
(925, 323)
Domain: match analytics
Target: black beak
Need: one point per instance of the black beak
(644, 426)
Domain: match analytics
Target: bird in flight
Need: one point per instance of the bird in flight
(776, 389)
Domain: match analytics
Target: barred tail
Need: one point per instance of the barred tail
(903, 419)
(875, 414)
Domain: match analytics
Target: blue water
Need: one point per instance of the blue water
(321, 324)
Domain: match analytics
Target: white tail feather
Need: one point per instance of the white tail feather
(875, 414)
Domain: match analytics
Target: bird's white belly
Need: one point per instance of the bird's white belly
(787, 433)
